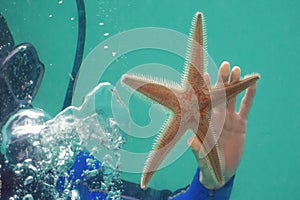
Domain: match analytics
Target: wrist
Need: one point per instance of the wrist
(207, 179)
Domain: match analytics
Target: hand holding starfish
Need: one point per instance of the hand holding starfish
(194, 105)
(232, 138)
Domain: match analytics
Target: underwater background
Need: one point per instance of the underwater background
(260, 36)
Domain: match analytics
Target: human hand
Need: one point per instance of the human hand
(233, 135)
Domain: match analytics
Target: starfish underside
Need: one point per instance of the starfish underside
(191, 105)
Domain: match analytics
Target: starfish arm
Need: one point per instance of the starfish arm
(231, 90)
(213, 159)
(195, 66)
(172, 132)
(156, 91)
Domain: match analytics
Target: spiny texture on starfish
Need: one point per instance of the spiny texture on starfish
(191, 105)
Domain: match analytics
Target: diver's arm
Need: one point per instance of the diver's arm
(231, 141)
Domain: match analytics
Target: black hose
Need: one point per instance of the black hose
(79, 52)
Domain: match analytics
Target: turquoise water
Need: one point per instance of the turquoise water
(259, 36)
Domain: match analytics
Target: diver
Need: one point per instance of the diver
(21, 73)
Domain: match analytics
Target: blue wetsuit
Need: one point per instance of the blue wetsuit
(131, 191)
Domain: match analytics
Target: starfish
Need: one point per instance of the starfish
(190, 103)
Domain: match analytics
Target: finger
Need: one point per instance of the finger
(224, 73)
(247, 102)
(235, 76)
(207, 79)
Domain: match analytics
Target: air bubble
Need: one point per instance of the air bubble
(91, 173)
(28, 197)
(22, 48)
(54, 143)
(28, 83)
(74, 195)
(28, 180)
(107, 170)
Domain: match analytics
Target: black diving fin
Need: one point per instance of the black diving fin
(21, 73)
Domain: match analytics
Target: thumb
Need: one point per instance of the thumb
(196, 146)
(194, 143)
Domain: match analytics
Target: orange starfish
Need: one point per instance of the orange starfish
(191, 105)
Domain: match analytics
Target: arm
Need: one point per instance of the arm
(231, 141)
